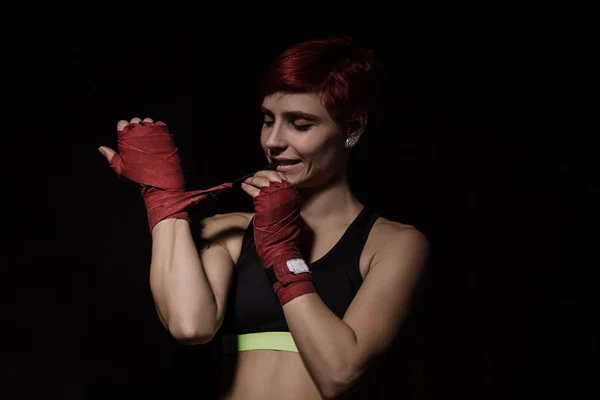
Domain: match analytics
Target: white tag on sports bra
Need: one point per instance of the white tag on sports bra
(297, 266)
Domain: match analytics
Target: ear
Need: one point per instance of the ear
(357, 125)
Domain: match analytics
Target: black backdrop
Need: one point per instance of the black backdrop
(487, 148)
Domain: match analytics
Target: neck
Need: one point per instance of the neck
(331, 202)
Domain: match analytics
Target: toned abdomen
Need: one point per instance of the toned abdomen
(266, 374)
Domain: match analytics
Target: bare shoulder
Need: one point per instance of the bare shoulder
(391, 240)
(385, 229)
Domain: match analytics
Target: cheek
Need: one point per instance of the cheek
(317, 144)
(323, 151)
(263, 137)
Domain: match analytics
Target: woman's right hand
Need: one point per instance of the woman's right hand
(106, 151)
(148, 156)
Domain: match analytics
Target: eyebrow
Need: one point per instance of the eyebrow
(293, 115)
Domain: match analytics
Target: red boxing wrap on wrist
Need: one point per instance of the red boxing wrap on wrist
(276, 234)
(148, 156)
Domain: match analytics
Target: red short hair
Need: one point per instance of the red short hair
(336, 68)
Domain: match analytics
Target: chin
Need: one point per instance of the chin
(291, 178)
(294, 176)
(300, 182)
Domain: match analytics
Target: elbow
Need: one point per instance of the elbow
(339, 382)
(191, 335)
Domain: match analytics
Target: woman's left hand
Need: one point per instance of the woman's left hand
(277, 233)
(261, 179)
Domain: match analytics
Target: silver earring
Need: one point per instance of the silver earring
(350, 142)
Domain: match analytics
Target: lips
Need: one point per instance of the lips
(284, 165)
(284, 161)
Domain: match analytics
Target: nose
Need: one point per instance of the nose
(275, 138)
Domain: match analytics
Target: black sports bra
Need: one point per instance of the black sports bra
(252, 305)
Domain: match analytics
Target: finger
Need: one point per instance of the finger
(251, 190)
(122, 124)
(150, 120)
(272, 176)
(135, 120)
(280, 175)
(258, 181)
(106, 152)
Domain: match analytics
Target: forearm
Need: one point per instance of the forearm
(327, 344)
(181, 290)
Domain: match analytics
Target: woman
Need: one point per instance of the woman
(310, 290)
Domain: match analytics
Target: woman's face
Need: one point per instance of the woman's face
(301, 139)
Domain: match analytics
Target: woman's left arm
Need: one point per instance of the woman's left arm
(338, 351)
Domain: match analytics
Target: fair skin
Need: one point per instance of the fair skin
(333, 353)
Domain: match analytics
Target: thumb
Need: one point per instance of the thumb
(107, 152)
(114, 160)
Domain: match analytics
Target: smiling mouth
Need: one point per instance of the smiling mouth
(277, 163)
(284, 165)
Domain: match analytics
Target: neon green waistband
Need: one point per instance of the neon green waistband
(281, 341)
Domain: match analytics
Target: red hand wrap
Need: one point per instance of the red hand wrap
(276, 234)
(148, 156)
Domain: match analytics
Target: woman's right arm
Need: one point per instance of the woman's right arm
(189, 289)
(190, 283)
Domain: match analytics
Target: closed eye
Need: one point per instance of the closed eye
(298, 127)
(302, 127)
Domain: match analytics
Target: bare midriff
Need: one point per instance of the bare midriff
(266, 374)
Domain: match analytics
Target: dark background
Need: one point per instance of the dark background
(488, 148)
